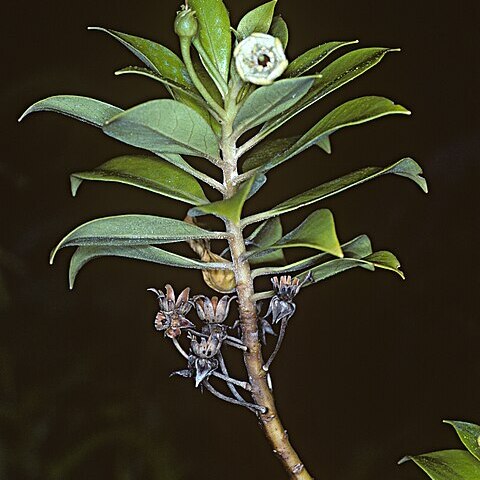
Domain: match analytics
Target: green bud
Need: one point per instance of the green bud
(186, 24)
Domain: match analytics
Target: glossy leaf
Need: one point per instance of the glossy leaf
(335, 75)
(148, 173)
(257, 20)
(359, 247)
(157, 57)
(214, 32)
(261, 238)
(269, 101)
(88, 110)
(128, 230)
(146, 253)
(406, 167)
(164, 126)
(267, 151)
(313, 57)
(316, 231)
(383, 260)
(448, 465)
(469, 434)
(229, 209)
(354, 112)
(279, 29)
(179, 88)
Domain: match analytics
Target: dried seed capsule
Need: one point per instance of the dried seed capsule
(260, 59)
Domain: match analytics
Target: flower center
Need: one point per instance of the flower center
(263, 60)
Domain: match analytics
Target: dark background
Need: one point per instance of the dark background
(371, 364)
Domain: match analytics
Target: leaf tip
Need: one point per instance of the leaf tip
(24, 114)
(405, 459)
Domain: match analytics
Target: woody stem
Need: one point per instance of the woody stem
(270, 420)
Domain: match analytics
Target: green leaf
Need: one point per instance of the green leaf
(267, 150)
(279, 29)
(179, 88)
(354, 112)
(335, 75)
(96, 113)
(229, 209)
(448, 465)
(148, 173)
(147, 253)
(316, 231)
(382, 260)
(157, 57)
(469, 434)
(128, 230)
(269, 101)
(257, 20)
(313, 57)
(214, 32)
(164, 126)
(88, 110)
(359, 247)
(262, 237)
(406, 167)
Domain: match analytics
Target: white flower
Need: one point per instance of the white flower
(260, 59)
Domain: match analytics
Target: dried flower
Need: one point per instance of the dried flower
(201, 361)
(171, 317)
(281, 305)
(212, 310)
(260, 59)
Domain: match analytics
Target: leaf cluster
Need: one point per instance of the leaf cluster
(211, 109)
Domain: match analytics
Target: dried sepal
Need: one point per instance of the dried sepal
(171, 317)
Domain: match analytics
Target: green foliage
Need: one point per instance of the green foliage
(211, 108)
(148, 173)
(453, 464)
(258, 20)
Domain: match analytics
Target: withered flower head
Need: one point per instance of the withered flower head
(212, 310)
(281, 305)
(171, 317)
(201, 361)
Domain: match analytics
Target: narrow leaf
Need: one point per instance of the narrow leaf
(359, 247)
(335, 75)
(214, 32)
(448, 465)
(266, 151)
(339, 265)
(229, 209)
(164, 126)
(148, 173)
(257, 20)
(147, 253)
(354, 112)
(269, 101)
(469, 434)
(316, 231)
(279, 29)
(128, 230)
(261, 238)
(406, 167)
(313, 57)
(88, 110)
(157, 57)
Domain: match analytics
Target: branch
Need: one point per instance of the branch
(221, 396)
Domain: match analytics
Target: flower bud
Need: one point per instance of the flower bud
(260, 59)
(186, 24)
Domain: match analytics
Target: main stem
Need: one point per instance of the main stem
(270, 421)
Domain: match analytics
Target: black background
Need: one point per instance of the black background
(371, 364)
